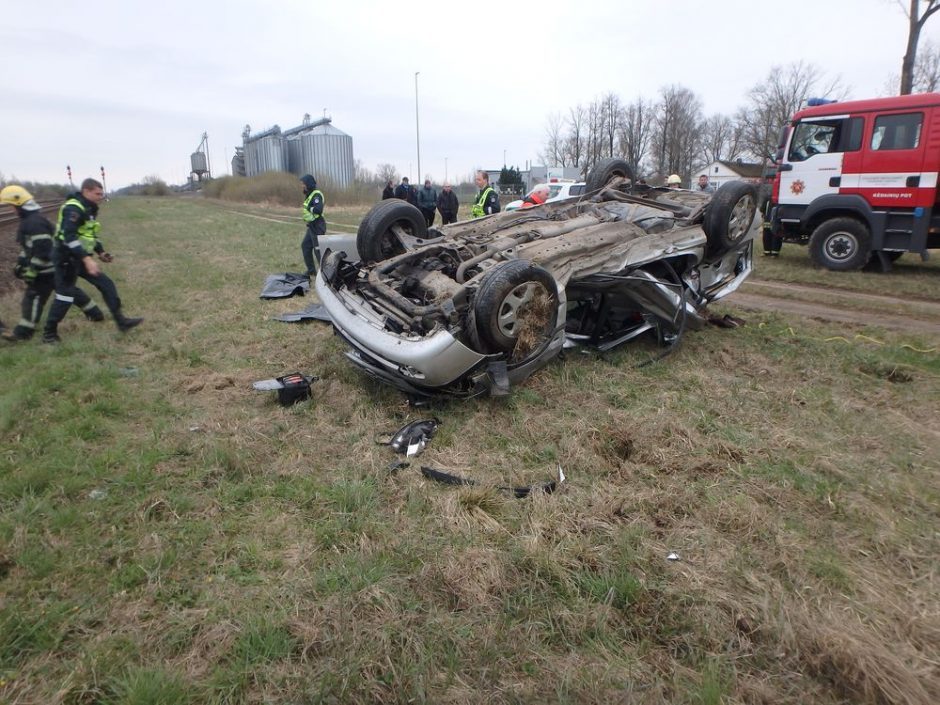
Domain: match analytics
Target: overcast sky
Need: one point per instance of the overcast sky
(132, 86)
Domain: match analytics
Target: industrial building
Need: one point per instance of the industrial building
(314, 147)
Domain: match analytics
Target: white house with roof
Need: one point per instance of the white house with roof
(720, 172)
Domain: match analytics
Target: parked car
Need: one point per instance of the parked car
(477, 306)
(556, 192)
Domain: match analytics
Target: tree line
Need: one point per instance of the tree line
(672, 134)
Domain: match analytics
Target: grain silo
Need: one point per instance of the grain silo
(264, 151)
(313, 147)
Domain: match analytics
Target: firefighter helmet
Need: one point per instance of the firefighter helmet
(15, 195)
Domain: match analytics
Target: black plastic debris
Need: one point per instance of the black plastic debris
(726, 321)
(518, 492)
(396, 465)
(413, 437)
(290, 388)
(313, 312)
(283, 286)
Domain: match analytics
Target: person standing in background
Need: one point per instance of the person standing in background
(448, 205)
(427, 202)
(316, 225)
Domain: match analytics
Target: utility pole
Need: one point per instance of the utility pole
(417, 127)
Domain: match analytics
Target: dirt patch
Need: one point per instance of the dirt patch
(806, 309)
(208, 381)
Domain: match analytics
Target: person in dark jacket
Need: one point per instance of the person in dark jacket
(316, 225)
(405, 192)
(427, 202)
(447, 204)
(388, 191)
(34, 264)
(76, 243)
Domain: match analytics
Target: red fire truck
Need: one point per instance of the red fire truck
(858, 180)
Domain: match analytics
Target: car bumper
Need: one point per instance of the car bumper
(431, 362)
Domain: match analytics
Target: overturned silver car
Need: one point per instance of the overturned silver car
(477, 306)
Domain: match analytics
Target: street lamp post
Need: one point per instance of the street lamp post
(445, 168)
(417, 126)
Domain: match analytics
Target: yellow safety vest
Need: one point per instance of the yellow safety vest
(87, 231)
(477, 210)
(308, 216)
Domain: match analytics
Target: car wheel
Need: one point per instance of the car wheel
(376, 238)
(729, 217)
(515, 309)
(841, 244)
(605, 171)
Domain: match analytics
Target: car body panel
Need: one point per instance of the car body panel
(622, 264)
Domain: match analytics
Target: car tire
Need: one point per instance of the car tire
(499, 308)
(606, 170)
(729, 216)
(375, 240)
(841, 244)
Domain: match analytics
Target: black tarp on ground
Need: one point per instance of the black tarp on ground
(282, 286)
(313, 312)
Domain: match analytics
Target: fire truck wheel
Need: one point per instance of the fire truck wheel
(841, 244)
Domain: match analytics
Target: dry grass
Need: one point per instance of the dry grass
(245, 552)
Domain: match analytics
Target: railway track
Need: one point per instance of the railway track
(9, 218)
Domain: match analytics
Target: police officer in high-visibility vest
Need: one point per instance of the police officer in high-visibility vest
(487, 200)
(34, 264)
(316, 225)
(76, 243)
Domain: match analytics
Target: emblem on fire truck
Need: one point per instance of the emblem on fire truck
(797, 187)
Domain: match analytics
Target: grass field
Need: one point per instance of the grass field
(168, 535)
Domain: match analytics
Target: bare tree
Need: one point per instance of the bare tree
(554, 150)
(361, 174)
(676, 138)
(927, 69)
(386, 172)
(594, 138)
(634, 134)
(721, 139)
(916, 22)
(613, 116)
(576, 137)
(772, 102)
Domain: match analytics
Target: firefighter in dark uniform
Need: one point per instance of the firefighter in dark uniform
(76, 243)
(316, 225)
(34, 264)
(487, 200)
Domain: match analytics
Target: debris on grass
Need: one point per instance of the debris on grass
(413, 437)
(283, 286)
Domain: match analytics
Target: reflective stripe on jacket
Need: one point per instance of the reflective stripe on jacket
(308, 216)
(477, 211)
(87, 231)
